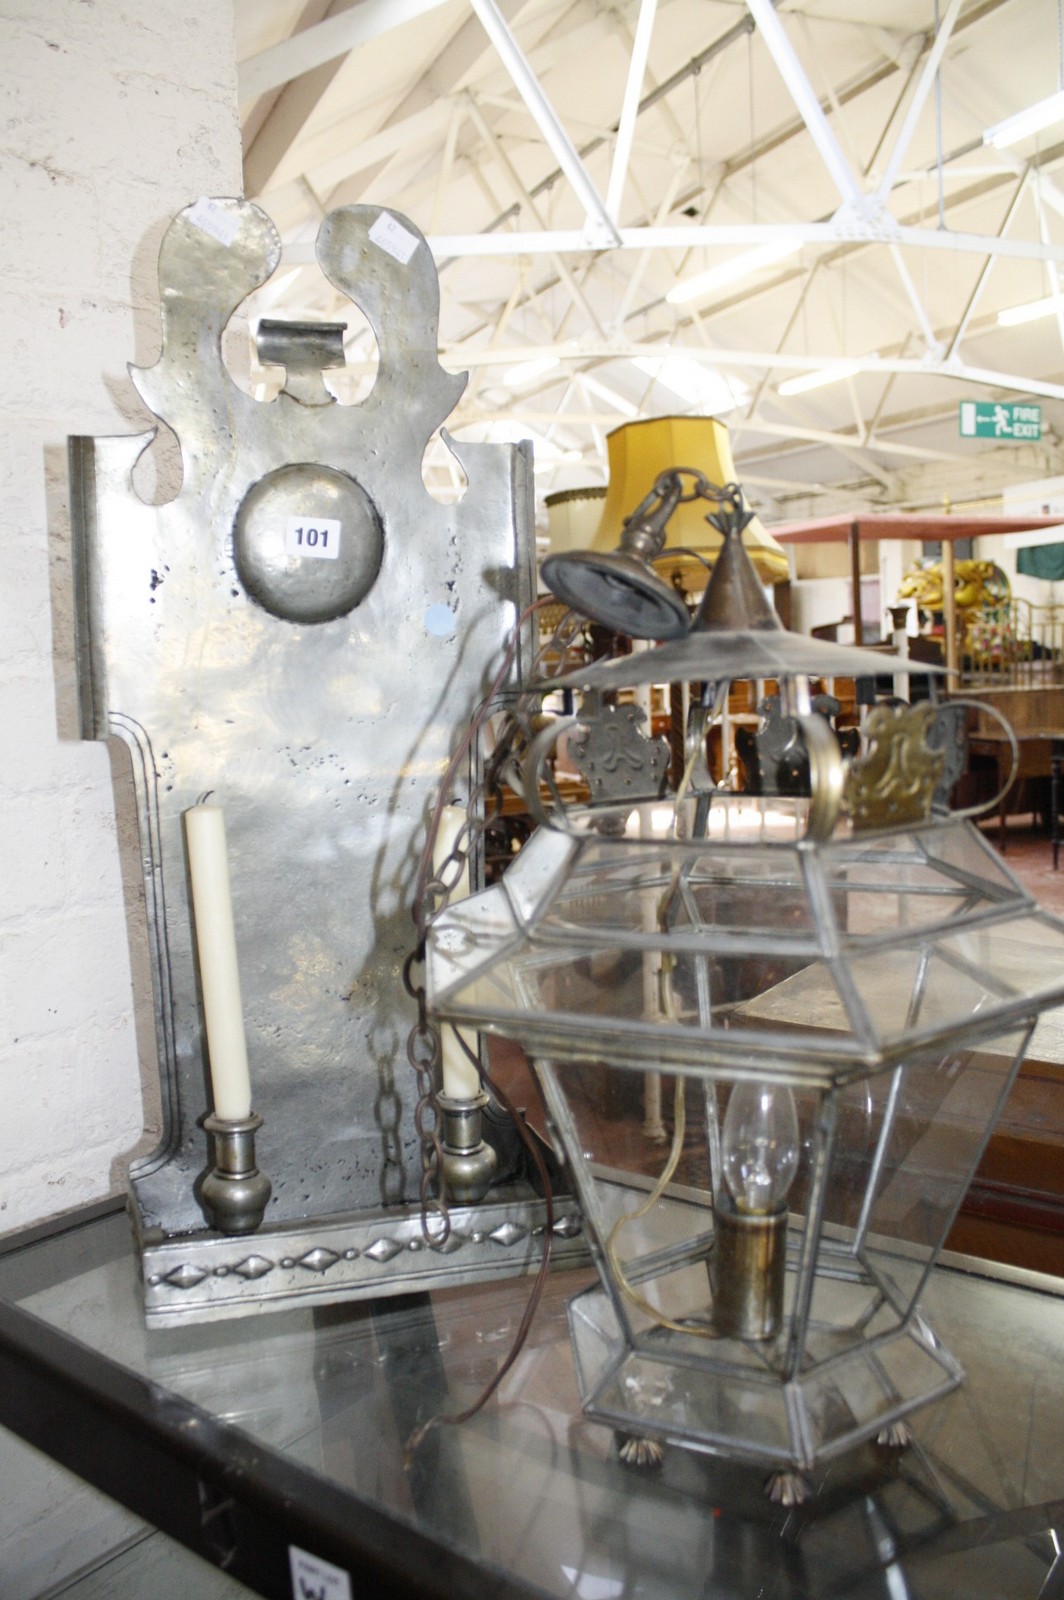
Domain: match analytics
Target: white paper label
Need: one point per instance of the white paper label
(312, 536)
(315, 1579)
(393, 237)
(212, 218)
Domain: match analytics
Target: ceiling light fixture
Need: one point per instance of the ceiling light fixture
(1032, 311)
(1032, 119)
(818, 379)
(528, 371)
(751, 261)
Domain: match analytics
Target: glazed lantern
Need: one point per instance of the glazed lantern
(837, 989)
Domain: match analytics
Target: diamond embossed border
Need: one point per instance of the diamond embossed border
(207, 1275)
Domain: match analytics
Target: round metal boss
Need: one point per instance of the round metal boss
(307, 542)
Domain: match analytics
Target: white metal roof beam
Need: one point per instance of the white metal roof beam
(421, 127)
(422, 114)
(568, 242)
(791, 434)
(493, 144)
(259, 111)
(1051, 266)
(333, 37)
(984, 273)
(930, 340)
(546, 119)
(637, 65)
(916, 104)
(797, 310)
(455, 357)
(808, 102)
(269, 138)
(635, 276)
(464, 54)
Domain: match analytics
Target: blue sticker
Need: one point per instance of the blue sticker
(440, 621)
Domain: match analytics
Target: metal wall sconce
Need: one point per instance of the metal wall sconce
(295, 631)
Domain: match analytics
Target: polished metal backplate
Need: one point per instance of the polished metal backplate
(316, 687)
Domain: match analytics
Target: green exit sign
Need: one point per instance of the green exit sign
(987, 419)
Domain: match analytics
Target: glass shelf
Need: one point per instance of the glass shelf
(242, 1438)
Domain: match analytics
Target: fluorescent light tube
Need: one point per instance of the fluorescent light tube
(751, 261)
(818, 379)
(1012, 316)
(1031, 120)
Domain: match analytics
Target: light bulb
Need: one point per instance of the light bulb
(759, 1146)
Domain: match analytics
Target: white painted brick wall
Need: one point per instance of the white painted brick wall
(115, 115)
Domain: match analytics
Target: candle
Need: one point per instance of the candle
(216, 949)
(461, 1081)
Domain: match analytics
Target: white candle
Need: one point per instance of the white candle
(461, 1081)
(216, 951)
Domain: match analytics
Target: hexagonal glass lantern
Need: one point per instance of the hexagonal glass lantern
(841, 1004)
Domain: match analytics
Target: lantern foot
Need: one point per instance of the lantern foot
(234, 1192)
(635, 1450)
(788, 1487)
(469, 1162)
(897, 1437)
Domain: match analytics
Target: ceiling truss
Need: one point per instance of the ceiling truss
(571, 164)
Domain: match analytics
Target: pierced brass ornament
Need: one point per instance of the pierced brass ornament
(894, 782)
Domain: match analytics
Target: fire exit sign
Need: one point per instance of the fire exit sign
(988, 419)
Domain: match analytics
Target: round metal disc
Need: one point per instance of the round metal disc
(307, 542)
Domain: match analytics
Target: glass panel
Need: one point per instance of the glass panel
(911, 1369)
(890, 888)
(639, 886)
(910, 991)
(861, 1391)
(944, 1108)
(960, 847)
(746, 1418)
(918, 880)
(570, 999)
(1023, 956)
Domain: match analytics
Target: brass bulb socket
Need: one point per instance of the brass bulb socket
(747, 1271)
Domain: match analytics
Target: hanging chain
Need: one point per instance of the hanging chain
(424, 1053)
(424, 1047)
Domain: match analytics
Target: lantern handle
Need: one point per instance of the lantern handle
(989, 805)
(827, 775)
(535, 773)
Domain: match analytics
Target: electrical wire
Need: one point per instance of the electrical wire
(453, 1419)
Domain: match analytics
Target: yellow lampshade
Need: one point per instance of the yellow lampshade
(638, 452)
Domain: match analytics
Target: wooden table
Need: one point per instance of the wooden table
(1040, 751)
